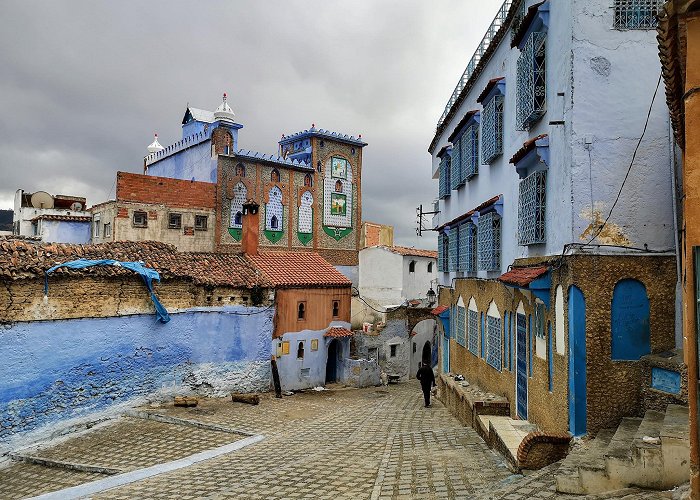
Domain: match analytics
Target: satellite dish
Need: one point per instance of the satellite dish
(42, 199)
(76, 207)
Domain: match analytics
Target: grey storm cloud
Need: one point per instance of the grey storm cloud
(85, 84)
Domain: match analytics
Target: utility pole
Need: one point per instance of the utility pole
(419, 220)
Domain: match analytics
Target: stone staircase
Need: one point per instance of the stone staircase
(652, 452)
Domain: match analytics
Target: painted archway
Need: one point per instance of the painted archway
(577, 362)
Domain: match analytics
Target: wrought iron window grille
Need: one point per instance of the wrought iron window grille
(489, 241)
(469, 153)
(492, 129)
(532, 205)
(531, 91)
(460, 333)
(445, 180)
(493, 342)
(473, 332)
(636, 14)
(467, 248)
(443, 251)
(453, 251)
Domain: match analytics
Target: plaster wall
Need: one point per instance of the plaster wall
(54, 231)
(381, 275)
(614, 75)
(425, 331)
(54, 372)
(24, 216)
(194, 163)
(416, 284)
(309, 371)
(394, 333)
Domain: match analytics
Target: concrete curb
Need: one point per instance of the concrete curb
(158, 417)
(59, 464)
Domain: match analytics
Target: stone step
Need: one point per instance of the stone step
(675, 446)
(650, 427)
(647, 467)
(568, 476)
(618, 457)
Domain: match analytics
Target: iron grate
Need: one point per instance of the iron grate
(532, 204)
(636, 14)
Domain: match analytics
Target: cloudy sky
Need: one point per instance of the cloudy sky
(84, 84)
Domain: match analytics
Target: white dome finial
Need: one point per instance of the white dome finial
(155, 146)
(224, 111)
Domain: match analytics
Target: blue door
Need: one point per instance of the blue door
(521, 367)
(445, 354)
(630, 321)
(577, 362)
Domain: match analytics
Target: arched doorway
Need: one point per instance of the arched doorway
(630, 321)
(577, 362)
(422, 343)
(332, 362)
(427, 356)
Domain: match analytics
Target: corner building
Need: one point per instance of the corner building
(557, 266)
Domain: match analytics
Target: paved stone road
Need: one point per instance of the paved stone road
(346, 444)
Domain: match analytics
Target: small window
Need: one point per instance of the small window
(322, 143)
(414, 347)
(275, 175)
(238, 219)
(240, 170)
(301, 311)
(107, 229)
(338, 186)
(96, 232)
(200, 222)
(274, 222)
(430, 267)
(227, 150)
(392, 351)
(412, 266)
(336, 308)
(300, 350)
(636, 14)
(140, 219)
(35, 228)
(174, 221)
(308, 180)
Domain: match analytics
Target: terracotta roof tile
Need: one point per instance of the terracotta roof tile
(462, 217)
(439, 310)
(525, 24)
(298, 269)
(522, 276)
(489, 86)
(528, 146)
(20, 259)
(337, 332)
(413, 252)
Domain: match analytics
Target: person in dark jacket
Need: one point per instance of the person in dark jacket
(427, 381)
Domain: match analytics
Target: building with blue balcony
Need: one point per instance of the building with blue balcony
(557, 240)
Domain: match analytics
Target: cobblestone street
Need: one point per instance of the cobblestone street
(369, 443)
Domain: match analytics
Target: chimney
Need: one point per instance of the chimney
(251, 227)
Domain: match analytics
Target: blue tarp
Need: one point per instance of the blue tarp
(146, 273)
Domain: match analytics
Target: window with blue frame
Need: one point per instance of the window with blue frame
(469, 152)
(444, 176)
(467, 248)
(460, 334)
(473, 332)
(532, 204)
(636, 14)
(453, 250)
(539, 320)
(443, 247)
(493, 341)
(492, 129)
(489, 241)
(531, 88)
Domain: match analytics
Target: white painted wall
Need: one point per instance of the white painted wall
(25, 215)
(609, 108)
(384, 276)
(416, 284)
(559, 319)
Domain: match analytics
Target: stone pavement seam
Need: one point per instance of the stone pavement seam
(158, 417)
(140, 474)
(61, 464)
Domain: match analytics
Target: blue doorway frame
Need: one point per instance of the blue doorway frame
(577, 362)
(521, 366)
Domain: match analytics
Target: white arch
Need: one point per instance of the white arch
(274, 208)
(305, 219)
(460, 302)
(493, 310)
(559, 319)
(521, 308)
(240, 194)
(472, 305)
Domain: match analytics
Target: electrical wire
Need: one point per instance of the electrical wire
(374, 309)
(629, 169)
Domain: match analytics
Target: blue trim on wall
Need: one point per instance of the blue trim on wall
(506, 341)
(631, 337)
(530, 336)
(577, 362)
(665, 380)
(483, 340)
(550, 356)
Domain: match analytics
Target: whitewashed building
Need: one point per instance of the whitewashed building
(556, 207)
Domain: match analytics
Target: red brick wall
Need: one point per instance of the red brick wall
(163, 190)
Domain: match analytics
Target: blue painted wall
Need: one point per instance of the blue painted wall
(630, 321)
(194, 163)
(54, 231)
(665, 380)
(577, 362)
(53, 371)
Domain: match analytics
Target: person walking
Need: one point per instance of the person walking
(427, 381)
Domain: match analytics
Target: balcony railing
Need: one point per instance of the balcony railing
(478, 54)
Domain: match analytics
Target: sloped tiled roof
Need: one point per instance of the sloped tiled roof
(522, 276)
(413, 252)
(439, 310)
(337, 332)
(22, 259)
(528, 146)
(298, 269)
(489, 87)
